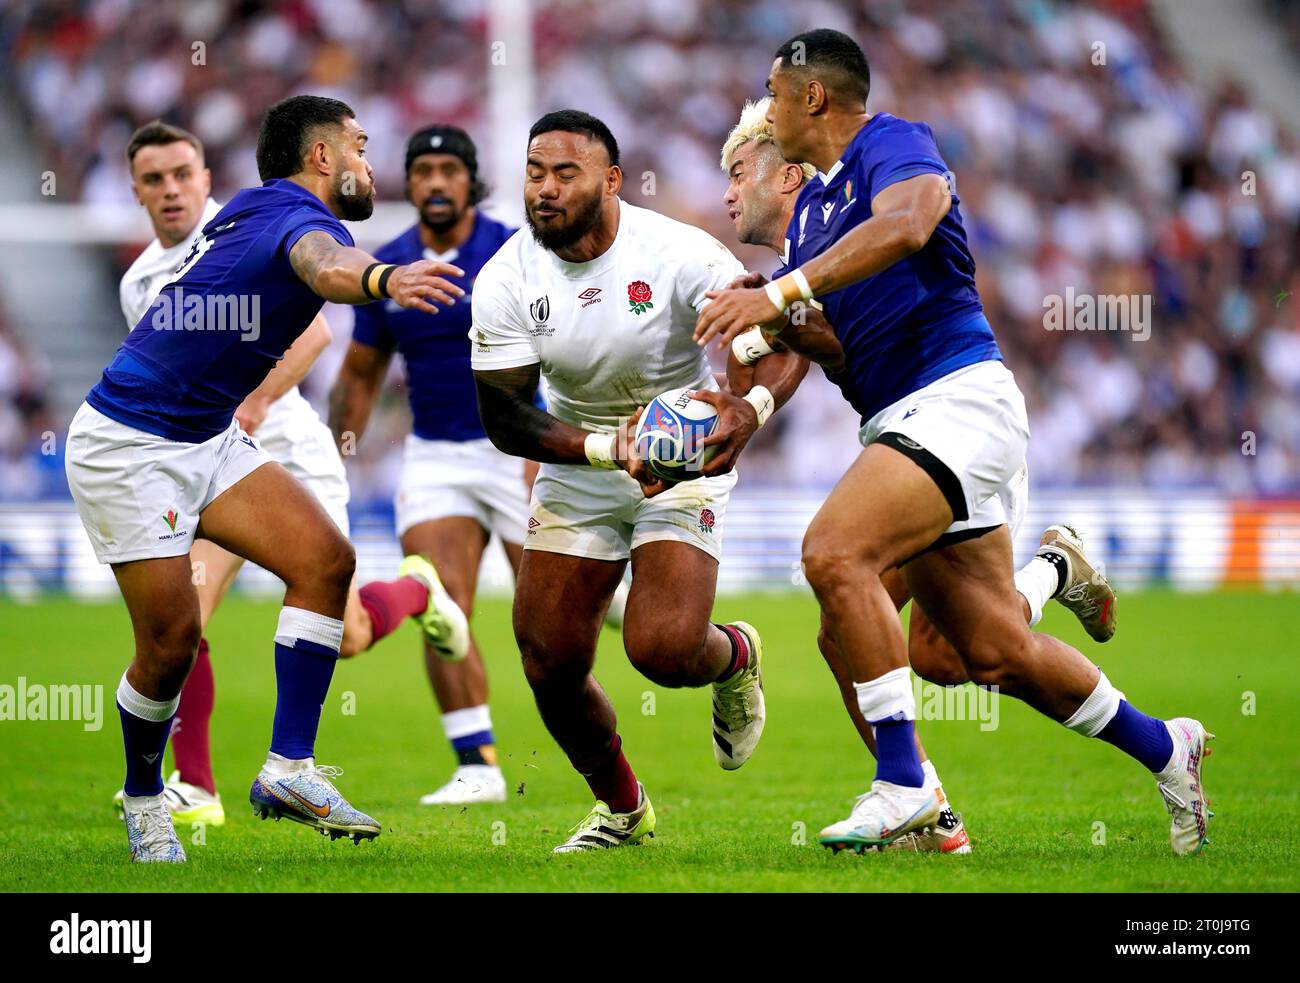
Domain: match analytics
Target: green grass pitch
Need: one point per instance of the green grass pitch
(1048, 811)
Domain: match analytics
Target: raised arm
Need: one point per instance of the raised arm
(352, 396)
(903, 217)
(347, 275)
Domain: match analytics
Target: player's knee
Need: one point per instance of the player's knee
(339, 563)
(834, 568)
(547, 662)
(666, 653)
(170, 648)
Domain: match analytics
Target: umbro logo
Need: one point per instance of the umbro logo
(590, 296)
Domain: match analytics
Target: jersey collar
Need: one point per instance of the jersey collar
(603, 262)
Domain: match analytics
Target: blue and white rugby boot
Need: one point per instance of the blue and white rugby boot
(881, 816)
(309, 797)
(149, 830)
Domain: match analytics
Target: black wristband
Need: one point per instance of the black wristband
(383, 281)
(365, 280)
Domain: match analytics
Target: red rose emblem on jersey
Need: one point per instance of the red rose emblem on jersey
(707, 519)
(638, 296)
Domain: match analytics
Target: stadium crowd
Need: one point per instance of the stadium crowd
(1083, 154)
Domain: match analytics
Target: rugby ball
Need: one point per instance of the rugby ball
(670, 432)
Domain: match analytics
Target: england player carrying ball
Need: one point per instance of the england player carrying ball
(599, 298)
(156, 458)
(761, 193)
(878, 239)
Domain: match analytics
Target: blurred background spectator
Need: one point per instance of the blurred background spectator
(1114, 177)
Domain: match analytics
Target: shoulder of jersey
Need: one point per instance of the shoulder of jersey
(647, 224)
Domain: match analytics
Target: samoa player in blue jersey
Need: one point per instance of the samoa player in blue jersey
(156, 458)
(456, 489)
(877, 239)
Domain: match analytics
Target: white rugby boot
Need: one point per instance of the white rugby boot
(739, 710)
(469, 785)
(1180, 786)
(150, 832)
(881, 816)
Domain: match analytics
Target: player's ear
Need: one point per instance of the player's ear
(614, 179)
(207, 181)
(791, 177)
(815, 97)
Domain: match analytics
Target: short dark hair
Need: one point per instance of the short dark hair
(835, 54)
(156, 133)
(286, 128)
(576, 121)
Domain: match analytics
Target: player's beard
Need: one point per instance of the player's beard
(358, 206)
(586, 218)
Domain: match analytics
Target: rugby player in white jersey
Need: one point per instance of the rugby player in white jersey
(760, 199)
(170, 180)
(599, 298)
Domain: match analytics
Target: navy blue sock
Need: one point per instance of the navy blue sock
(896, 757)
(468, 748)
(302, 678)
(1140, 736)
(144, 741)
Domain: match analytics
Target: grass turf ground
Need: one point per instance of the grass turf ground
(1032, 793)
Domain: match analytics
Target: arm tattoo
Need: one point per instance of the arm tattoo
(312, 252)
(516, 426)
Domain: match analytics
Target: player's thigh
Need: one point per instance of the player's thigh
(671, 598)
(884, 510)
(164, 609)
(454, 545)
(560, 604)
(270, 519)
(968, 591)
(213, 570)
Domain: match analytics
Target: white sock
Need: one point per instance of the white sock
(1037, 581)
(462, 723)
(143, 707)
(931, 776)
(1097, 710)
(278, 766)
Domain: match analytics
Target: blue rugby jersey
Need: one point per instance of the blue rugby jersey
(232, 310)
(435, 347)
(921, 318)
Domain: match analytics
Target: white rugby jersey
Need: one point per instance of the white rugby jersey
(610, 334)
(153, 269)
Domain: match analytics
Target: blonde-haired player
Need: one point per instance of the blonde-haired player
(761, 193)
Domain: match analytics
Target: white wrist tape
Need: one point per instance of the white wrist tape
(763, 402)
(599, 448)
(750, 346)
(788, 289)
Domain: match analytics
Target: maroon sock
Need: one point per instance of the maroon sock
(189, 737)
(611, 779)
(390, 602)
(739, 652)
